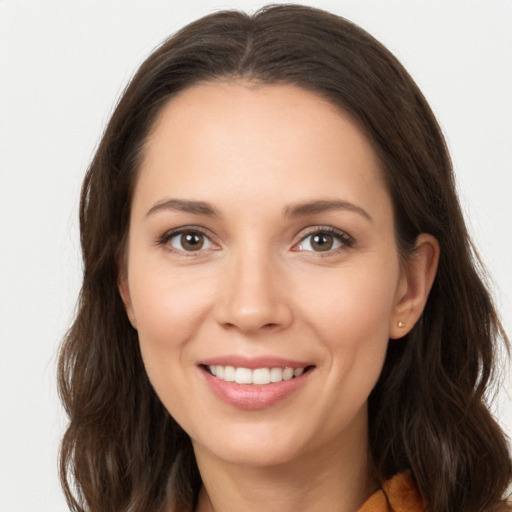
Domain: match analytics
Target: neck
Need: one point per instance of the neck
(337, 479)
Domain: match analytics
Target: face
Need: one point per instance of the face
(262, 249)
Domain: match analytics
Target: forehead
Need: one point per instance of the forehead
(243, 110)
(225, 139)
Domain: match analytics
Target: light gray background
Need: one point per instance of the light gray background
(62, 67)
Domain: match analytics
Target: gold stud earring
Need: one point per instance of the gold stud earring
(401, 325)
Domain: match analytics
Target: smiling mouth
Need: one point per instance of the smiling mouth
(258, 376)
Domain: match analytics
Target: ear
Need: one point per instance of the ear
(124, 291)
(417, 277)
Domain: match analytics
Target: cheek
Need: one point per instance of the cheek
(351, 317)
(169, 311)
(168, 307)
(352, 304)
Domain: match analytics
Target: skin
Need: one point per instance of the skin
(258, 287)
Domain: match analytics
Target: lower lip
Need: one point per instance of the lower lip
(251, 396)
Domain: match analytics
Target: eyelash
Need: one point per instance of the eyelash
(344, 238)
(169, 235)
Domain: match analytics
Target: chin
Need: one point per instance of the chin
(254, 447)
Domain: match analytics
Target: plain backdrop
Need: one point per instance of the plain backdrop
(63, 64)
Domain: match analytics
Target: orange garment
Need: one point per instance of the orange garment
(399, 494)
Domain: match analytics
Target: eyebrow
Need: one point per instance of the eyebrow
(195, 207)
(293, 211)
(312, 207)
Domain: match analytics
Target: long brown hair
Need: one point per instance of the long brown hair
(122, 451)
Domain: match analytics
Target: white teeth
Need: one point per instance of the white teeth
(229, 374)
(287, 373)
(259, 376)
(276, 375)
(243, 376)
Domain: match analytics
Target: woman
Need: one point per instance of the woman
(281, 308)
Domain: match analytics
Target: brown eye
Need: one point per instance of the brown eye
(322, 242)
(325, 241)
(190, 241)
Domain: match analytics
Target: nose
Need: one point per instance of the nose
(253, 294)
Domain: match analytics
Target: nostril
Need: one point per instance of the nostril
(250, 312)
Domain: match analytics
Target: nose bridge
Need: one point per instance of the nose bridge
(253, 295)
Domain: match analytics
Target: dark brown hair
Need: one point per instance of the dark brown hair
(122, 451)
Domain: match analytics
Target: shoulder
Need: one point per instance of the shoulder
(398, 494)
(506, 506)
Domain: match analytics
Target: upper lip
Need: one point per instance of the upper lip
(254, 362)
